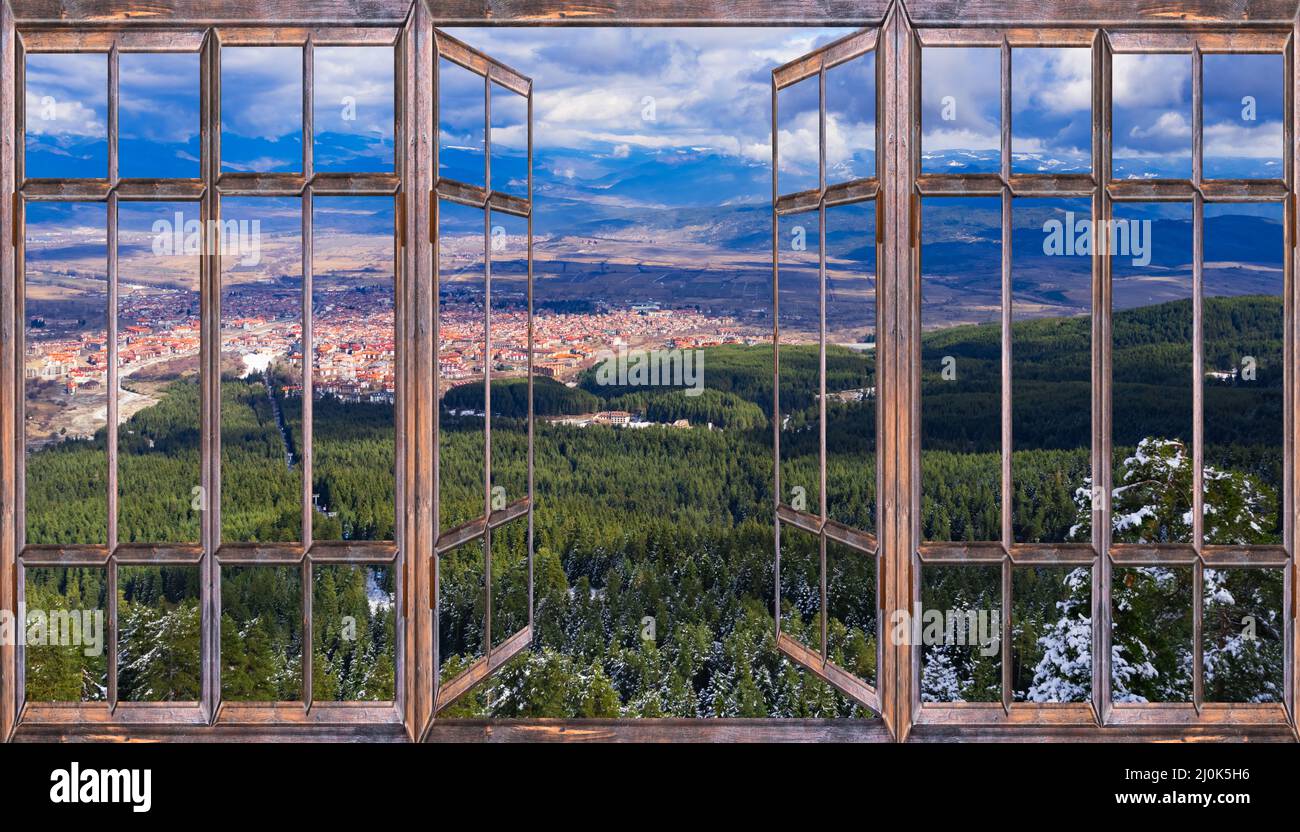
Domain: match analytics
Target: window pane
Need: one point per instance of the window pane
(509, 142)
(67, 116)
(461, 361)
(1152, 128)
(1243, 116)
(461, 122)
(1244, 373)
(851, 602)
(158, 639)
(158, 115)
(961, 360)
(799, 316)
(851, 120)
(1244, 635)
(509, 580)
(66, 634)
(509, 359)
(801, 586)
(352, 108)
(1152, 370)
(961, 633)
(798, 137)
(1151, 648)
(1051, 110)
(261, 370)
(261, 633)
(353, 368)
(261, 109)
(354, 642)
(961, 110)
(851, 365)
(159, 500)
(462, 610)
(1051, 628)
(66, 369)
(1051, 368)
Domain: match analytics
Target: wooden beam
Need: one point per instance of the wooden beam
(229, 12)
(9, 372)
(971, 13)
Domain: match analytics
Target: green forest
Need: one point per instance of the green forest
(654, 547)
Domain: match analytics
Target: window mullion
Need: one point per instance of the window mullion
(1006, 301)
(1198, 380)
(1101, 380)
(210, 379)
(308, 343)
(113, 382)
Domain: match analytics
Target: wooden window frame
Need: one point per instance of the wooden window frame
(903, 26)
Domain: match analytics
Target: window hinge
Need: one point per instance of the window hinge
(913, 219)
(401, 222)
(433, 215)
(13, 219)
(880, 223)
(1294, 219)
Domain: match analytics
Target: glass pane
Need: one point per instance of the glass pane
(354, 379)
(509, 580)
(1051, 631)
(851, 365)
(461, 362)
(461, 122)
(261, 370)
(961, 360)
(158, 115)
(261, 633)
(261, 109)
(1152, 127)
(798, 137)
(66, 634)
(462, 610)
(1244, 373)
(159, 497)
(960, 633)
(509, 359)
(353, 100)
(67, 116)
(799, 316)
(801, 587)
(851, 120)
(1151, 648)
(158, 637)
(1244, 635)
(1051, 369)
(66, 372)
(961, 110)
(1152, 370)
(509, 142)
(851, 609)
(1051, 110)
(1244, 114)
(354, 643)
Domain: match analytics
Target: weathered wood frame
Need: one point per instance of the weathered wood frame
(902, 26)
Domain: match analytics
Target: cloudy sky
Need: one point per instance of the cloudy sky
(616, 93)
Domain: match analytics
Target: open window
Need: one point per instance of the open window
(482, 218)
(826, 231)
